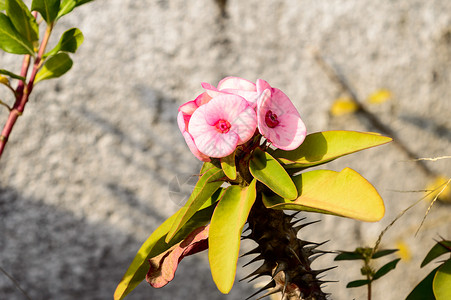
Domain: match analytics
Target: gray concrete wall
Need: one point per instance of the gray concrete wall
(84, 179)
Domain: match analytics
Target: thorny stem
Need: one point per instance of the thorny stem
(23, 90)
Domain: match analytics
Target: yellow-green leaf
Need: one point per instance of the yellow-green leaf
(69, 42)
(226, 227)
(47, 8)
(208, 183)
(228, 166)
(11, 40)
(22, 19)
(344, 193)
(155, 245)
(442, 282)
(54, 67)
(321, 147)
(268, 171)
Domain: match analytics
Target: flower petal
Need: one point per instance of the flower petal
(188, 107)
(287, 135)
(216, 144)
(193, 148)
(224, 107)
(262, 85)
(250, 96)
(236, 83)
(244, 125)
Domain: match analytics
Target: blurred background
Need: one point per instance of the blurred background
(85, 177)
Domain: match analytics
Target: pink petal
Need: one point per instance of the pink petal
(211, 90)
(163, 267)
(262, 85)
(182, 122)
(281, 104)
(189, 107)
(250, 96)
(202, 99)
(224, 107)
(215, 144)
(236, 83)
(193, 148)
(287, 135)
(244, 125)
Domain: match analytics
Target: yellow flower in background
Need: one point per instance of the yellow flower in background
(343, 106)
(441, 189)
(379, 96)
(4, 80)
(404, 250)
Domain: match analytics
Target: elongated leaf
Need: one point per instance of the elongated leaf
(357, 283)
(68, 5)
(69, 42)
(423, 291)
(22, 19)
(155, 245)
(344, 193)
(268, 171)
(345, 255)
(442, 282)
(436, 251)
(382, 253)
(11, 74)
(226, 227)
(54, 67)
(386, 268)
(47, 8)
(2, 5)
(208, 183)
(11, 40)
(322, 147)
(228, 166)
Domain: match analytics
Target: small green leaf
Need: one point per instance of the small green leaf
(226, 227)
(208, 183)
(54, 67)
(386, 268)
(442, 282)
(344, 193)
(322, 147)
(11, 74)
(2, 5)
(423, 291)
(155, 245)
(345, 255)
(47, 8)
(11, 40)
(228, 166)
(68, 5)
(268, 171)
(439, 249)
(69, 42)
(357, 283)
(382, 253)
(22, 20)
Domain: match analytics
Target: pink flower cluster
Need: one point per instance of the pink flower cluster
(224, 117)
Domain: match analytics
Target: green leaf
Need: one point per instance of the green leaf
(11, 74)
(228, 166)
(54, 67)
(47, 8)
(386, 268)
(322, 147)
(155, 245)
(344, 193)
(226, 227)
(439, 249)
(208, 183)
(2, 5)
(345, 255)
(442, 282)
(68, 5)
(382, 253)
(423, 291)
(268, 171)
(11, 40)
(357, 283)
(69, 42)
(22, 19)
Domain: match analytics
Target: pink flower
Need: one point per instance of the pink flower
(223, 123)
(236, 86)
(185, 112)
(278, 120)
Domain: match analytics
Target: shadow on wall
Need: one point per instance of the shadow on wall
(54, 254)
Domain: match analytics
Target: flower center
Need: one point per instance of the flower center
(271, 119)
(222, 126)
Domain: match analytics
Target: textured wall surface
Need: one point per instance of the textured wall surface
(84, 179)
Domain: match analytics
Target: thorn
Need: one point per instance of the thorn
(243, 237)
(253, 251)
(265, 236)
(315, 256)
(299, 227)
(317, 272)
(260, 257)
(280, 267)
(247, 229)
(287, 278)
(294, 253)
(263, 270)
(273, 291)
(294, 223)
(271, 284)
